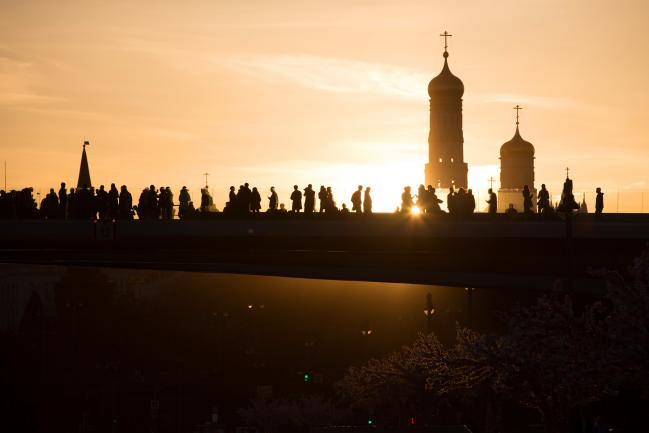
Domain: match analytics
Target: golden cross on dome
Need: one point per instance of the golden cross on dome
(446, 35)
(517, 108)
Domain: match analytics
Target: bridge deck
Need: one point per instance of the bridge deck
(481, 252)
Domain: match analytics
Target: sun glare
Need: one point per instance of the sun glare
(415, 210)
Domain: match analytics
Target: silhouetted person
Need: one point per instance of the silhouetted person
(162, 202)
(406, 200)
(344, 209)
(309, 199)
(72, 209)
(91, 202)
(272, 200)
(255, 200)
(367, 201)
(63, 200)
(470, 202)
(296, 199)
(422, 198)
(461, 203)
(113, 202)
(543, 203)
(511, 210)
(26, 207)
(527, 200)
(101, 201)
(232, 197)
(50, 205)
(433, 201)
(450, 201)
(152, 204)
(599, 201)
(492, 202)
(329, 200)
(125, 204)
(322, 196)
(206, 200)
(143, 205)
(183, 202)
(167, 205)
(246, 198)
(357, 202)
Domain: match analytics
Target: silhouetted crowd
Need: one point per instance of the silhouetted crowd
(460, 202)
(158, 203)
(246, 200)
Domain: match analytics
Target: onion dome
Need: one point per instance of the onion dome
(445, 83)
(517, 146)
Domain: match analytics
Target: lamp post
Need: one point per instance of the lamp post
(429, 311)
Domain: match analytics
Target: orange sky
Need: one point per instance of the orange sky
(324, 92)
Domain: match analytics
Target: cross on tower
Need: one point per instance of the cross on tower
(491, 182)
(517, 108)
(567, 173)
(446, 35)
(206, 174)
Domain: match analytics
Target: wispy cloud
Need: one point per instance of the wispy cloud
(17, 77)
(335, 75)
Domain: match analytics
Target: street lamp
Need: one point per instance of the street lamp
(429, 311)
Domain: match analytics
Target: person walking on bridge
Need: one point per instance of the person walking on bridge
(125, 204)
(599, 201)
(272, 200)
(406, 200)
(544, 199)
(296, 198)
(309, 199)
(492, 202)
(527, 200)
(356, 200)
(367, 201)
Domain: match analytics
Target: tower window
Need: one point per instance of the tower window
(451, 159)
(440, 160)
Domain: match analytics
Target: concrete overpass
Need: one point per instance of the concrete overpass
(500, 253)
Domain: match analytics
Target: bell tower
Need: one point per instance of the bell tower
(446, 166)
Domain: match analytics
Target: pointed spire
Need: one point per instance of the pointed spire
(84, 169)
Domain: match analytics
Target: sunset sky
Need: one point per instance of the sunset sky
(331, 92)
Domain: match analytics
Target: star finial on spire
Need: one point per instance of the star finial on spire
(517, 108)
(446, 35)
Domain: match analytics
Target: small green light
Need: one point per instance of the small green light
(370, 421)
(307, 377)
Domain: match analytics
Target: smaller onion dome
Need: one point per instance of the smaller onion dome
(517, 146)
(445, 82)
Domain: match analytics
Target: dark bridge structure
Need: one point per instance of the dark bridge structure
(482, 252)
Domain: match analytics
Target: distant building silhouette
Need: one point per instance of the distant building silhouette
(516, 171)
(84, 170)
(446, 166)
(583, 207)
